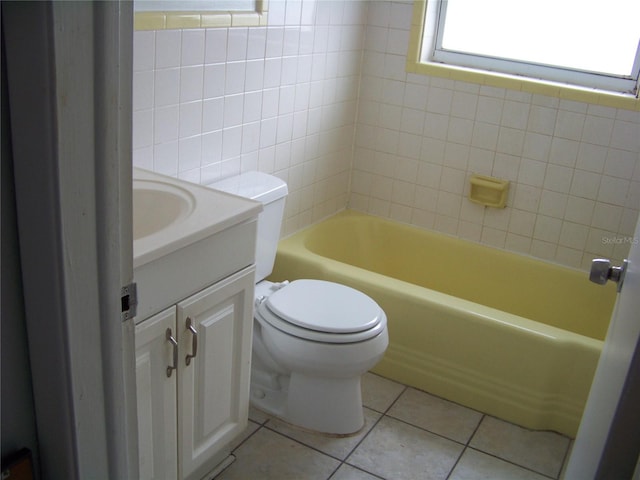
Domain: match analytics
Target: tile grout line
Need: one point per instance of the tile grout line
(383, 414)
(260, 425)
(512, 463)
(565, 458)
(293, 439)
(439, 435)
(466, 446)
(344, 459)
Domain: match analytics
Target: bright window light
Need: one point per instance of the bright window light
(593, 43)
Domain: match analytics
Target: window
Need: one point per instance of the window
(584, 43)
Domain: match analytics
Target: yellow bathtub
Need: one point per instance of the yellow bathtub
(506, 334)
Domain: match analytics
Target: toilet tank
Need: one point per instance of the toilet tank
(271, 191)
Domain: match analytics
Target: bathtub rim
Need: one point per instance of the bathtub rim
(295, 245)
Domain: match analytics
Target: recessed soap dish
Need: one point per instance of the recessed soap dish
(489, 191)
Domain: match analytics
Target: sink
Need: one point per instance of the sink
(157, 205)
(169, 214)
(186, 237)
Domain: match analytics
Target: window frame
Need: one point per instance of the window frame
(423, 28)
(617, 84)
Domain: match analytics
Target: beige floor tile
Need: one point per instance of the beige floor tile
(436, 415)
(476, 465)
(566, 458)
(251, 428)
(267, 455)
(396, 450)
(542, 452)
(347, 472)
(258, 416)
(379, 393)
(338, 447)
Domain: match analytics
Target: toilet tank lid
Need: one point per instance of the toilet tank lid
(257, 186)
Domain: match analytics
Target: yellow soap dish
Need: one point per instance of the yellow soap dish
(489, 191)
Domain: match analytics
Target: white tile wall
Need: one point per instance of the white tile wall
(209, 103)
(574, 167)
(320, 94)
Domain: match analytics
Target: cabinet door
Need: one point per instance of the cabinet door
(156, 397)
(214, 387)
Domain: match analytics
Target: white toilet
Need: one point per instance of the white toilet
(312, 339)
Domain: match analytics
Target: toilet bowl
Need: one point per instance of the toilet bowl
(312, 339)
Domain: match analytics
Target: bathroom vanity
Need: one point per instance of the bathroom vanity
(194, 255)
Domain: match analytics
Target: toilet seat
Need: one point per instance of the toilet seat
(322, 311)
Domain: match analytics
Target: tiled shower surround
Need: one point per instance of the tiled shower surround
(320, 98)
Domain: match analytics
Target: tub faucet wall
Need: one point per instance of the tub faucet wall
(574, 167)
(320, 97)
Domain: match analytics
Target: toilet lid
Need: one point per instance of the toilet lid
(325, 307)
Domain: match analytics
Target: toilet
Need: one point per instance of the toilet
(312, 339)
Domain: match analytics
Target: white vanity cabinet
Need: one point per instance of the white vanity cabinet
(187, 415)
(193, 264)
(157, 397)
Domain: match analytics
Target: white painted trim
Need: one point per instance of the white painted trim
(27, 36)
(616, 360)
(71, 145)
(113, 23)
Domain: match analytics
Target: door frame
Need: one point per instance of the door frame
(69, 70)
(610, 416)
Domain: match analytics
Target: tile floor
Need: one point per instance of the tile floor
(408, 434)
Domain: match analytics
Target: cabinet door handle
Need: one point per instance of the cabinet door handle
(194, 341)
(174, 345)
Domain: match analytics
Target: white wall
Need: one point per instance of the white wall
(291, 99)
(281, 99)
(574, 167)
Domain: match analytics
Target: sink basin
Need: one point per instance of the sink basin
(170, 214)
(156, 205)
(186, 237)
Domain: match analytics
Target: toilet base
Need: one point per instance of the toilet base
(326, 405)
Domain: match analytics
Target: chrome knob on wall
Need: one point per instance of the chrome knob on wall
(602, 271)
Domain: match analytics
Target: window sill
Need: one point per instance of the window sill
(177, 20)
(550, 89)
